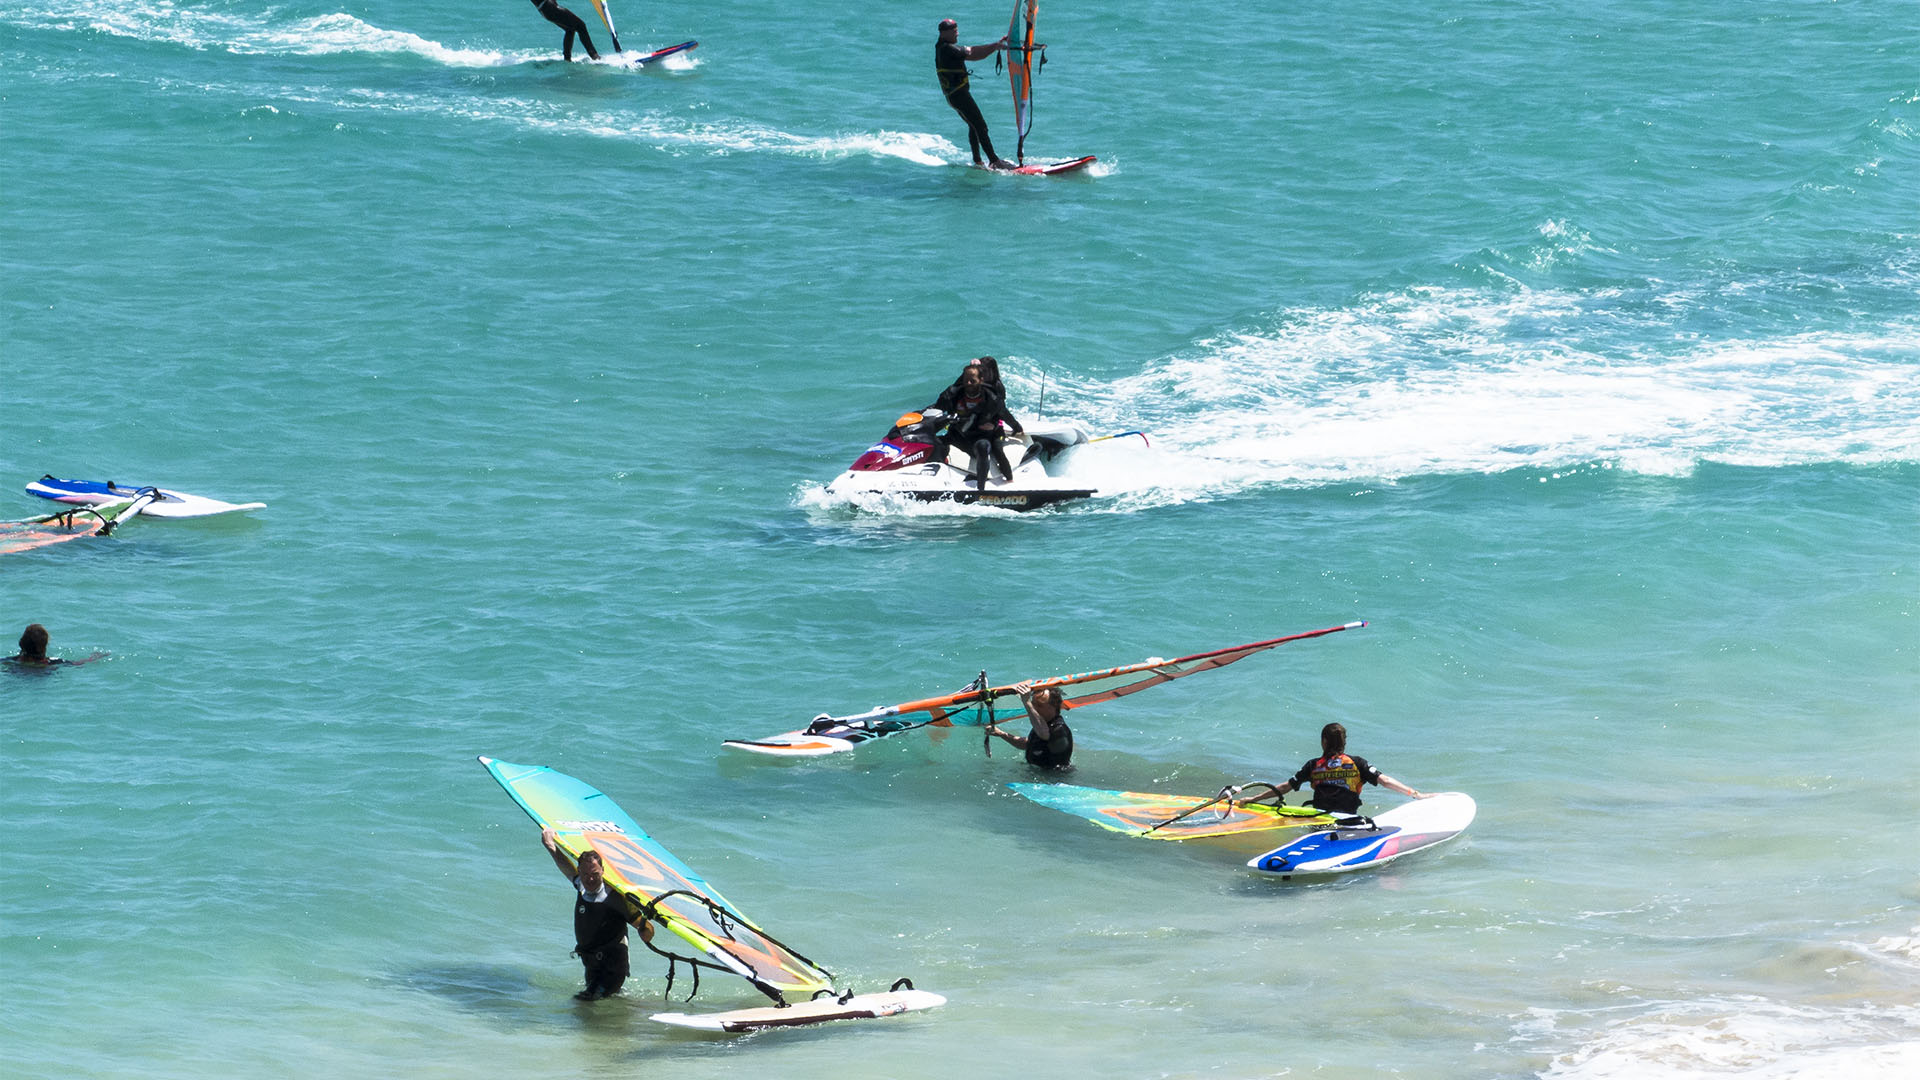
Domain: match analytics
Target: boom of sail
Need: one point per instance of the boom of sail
(983, 703)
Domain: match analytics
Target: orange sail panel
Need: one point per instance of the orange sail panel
(71, 524)
(1023, 63)
(1094, 687)
(606, 16)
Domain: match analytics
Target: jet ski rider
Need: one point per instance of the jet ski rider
(979, 421)
(989, 370)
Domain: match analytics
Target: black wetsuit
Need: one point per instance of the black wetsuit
(950, 64)
(600, 940)
(949, 399)
(976, 429)
(1053, 752)
(568, 21)
(1336, 780)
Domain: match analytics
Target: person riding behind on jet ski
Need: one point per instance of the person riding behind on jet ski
(989, 370)
(980, 420)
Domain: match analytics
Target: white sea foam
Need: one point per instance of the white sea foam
(1749, 1037)
(674, 133)
(817, 498)
(1434, 381)
(196, 28)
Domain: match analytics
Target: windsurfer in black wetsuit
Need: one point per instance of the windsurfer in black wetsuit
(600, 918)
(980, 420)
(989, 370)
(1050, 744)
(950, 64)
(568, 21)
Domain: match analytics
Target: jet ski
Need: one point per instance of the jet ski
(911, 462)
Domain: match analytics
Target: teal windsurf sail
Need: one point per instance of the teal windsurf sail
(656, 885)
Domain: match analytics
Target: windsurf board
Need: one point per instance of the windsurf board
(169, 504)
(1401, 831)
(642, 60)
(1057, 168)
(818, 1011)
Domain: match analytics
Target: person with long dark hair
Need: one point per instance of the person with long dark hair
(33, 650)
(1337, 776)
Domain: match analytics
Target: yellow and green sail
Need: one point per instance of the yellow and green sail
(1171, 817)
(655, 884)
(70, 524)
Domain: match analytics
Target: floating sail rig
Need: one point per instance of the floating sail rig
(1024, 61)
(168, 504)
(71, 524)
(982, 703)
(1176, 817)
(657, 885)
(606, 16)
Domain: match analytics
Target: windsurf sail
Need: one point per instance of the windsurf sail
(39, 532)
(606, 16)
(1024, 61)
(656, 885)
(982, 703)
(1175, 817)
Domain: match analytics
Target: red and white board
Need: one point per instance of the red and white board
(1057, 168)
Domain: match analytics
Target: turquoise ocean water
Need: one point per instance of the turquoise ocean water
(1575, 347)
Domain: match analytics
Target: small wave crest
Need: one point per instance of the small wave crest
(1749, 1037)
(196, 28)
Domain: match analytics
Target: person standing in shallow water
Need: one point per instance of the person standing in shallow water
(599, 921)
(950, 65)
(571, 23)
(1050, 744)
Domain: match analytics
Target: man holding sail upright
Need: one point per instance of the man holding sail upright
(568, 21)
(950, 64)
(600, 920)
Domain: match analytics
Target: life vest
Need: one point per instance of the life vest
(1336, 780)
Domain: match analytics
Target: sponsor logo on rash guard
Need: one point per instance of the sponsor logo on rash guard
(1338, 771)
